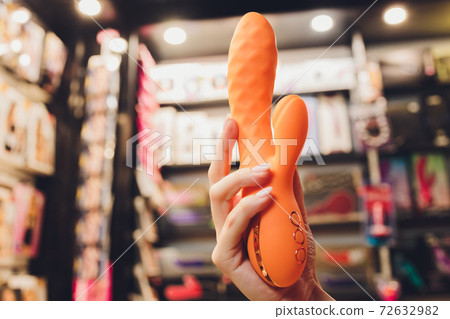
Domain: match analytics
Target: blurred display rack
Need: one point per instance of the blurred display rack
(31, 90)
(35, 93)
(416, 88)
(21, 171)
(335, 158)
(224, 102)
(13, 171)
(328, 159)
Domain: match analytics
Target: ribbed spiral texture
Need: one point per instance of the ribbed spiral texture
(252, 63)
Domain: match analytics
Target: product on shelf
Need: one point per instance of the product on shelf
(147, 292)
(147, 254)
(354, 259)
(188, 128)
(407, 124)
(164, 121)
(27, 132)
(30, 57)
(23, 44)
(53, 62)
(92, 228)
(387, 289)
(145, 220)
(101, 78)
(318, 75)
(41, 139)
(187, 257)
(437, 112)
(370, 83)
(190, 290)
(6, 223)
(187, 138)
(23, 287)
(395, 172)
(334, 124)
(370, 125)
(438, 272)
(441, 57)
(431, 182)
(252, 61)
(377, 202)
(190, 82)
(29, 205)
(312, 144)
(330, 193)
(94, 193)
(186, 222)
(198, 195)
(403, 66)
(440, 247)
(408, 272)
(14, 118)
(90, 262)
(92, 160)
(95, 289)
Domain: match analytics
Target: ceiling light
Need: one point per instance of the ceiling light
(174, 35)
(24, 60)
(90, 7)
(21, 15)
(118, 45)
(395, 15)
(16, 46)
(322, 23)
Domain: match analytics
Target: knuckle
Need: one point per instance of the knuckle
(243, 172)
(246, 203)
(214, 192)
(230, 220)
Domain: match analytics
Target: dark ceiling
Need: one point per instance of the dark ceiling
(426, 18)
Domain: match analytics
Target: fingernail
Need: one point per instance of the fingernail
(264, 192)
(226, 120)
(261, 168)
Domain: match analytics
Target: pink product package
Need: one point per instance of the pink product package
(431, 182)
(29, 205)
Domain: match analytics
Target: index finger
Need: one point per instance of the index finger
(221, 168)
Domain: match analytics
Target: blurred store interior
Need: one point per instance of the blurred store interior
(85, 214)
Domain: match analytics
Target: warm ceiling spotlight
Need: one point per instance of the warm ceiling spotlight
(118, 45)
(21, 15)
(90, 7)
(174, 35)
(322, 23)
(395, 15)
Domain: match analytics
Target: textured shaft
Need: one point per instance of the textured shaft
(252, 62)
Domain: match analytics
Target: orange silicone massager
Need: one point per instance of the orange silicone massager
(276, 241)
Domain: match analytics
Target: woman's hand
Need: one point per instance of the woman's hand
(231, 216)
